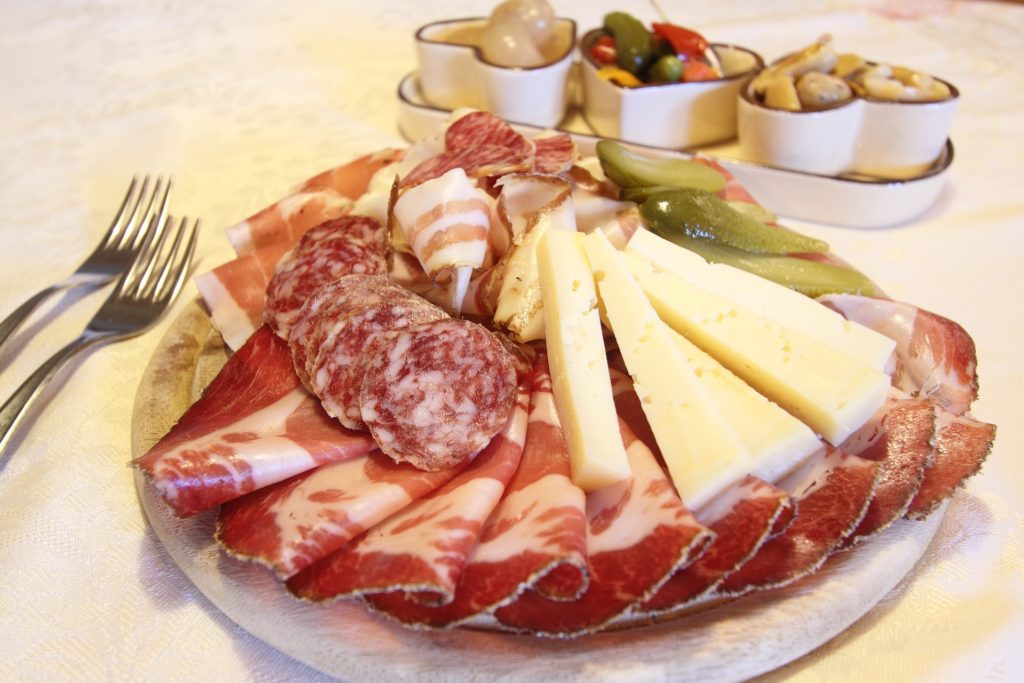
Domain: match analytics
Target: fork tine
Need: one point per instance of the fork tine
(149, 289)
(156, 208)
(176, 268)
(114, 232)
(134, 217)
(148, 255)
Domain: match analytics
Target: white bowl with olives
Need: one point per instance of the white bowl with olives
(818, 111)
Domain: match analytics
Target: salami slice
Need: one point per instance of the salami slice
(638, 534)
(322, 307)
(832, 490)
(554, 154)
(482, 145)
(435, 393)
(423, 548)
(339, 365)
(253, 426)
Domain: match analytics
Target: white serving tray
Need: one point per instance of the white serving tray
(851, 201)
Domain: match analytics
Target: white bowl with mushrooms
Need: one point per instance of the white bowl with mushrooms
(817, 111)
(514, 63)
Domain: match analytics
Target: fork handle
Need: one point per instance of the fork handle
(21, 401)
(15, 319)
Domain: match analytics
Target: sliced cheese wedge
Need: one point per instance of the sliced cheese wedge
(778, 442)
(520, 308)
(703, 452)
(766, 298)
(832, 392)
(579, 368)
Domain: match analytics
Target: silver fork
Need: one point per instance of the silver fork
(140, 212)
(141, 295)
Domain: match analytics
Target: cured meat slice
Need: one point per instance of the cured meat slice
(310, 266)
(482, 145)
(899, 438)
(434, 393)
(352, 179)
(638, 534)
(362, 230)
(423, 548)
(935, 356)
(253, 426)
(290, 525)
(235, 293)
(553, 154)
(743, 517)
(961, 446)
(339, 365)
(280, 225)
(733, 190)
(832, 490)
(535, 537)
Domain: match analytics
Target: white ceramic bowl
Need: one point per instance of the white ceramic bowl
(862, 135)
(457, 75)
(671, 115)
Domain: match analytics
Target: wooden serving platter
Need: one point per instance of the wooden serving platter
(730, 641)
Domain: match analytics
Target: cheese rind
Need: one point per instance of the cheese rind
(832, 392)
(769, 299)
(579, 368)
(702, 451)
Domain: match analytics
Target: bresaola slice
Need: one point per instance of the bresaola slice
(742, 518)
(535, 536)
(290, 525)
(899, 438)
(253, 426)
(832, 490)
(423, 548)
(638, 533)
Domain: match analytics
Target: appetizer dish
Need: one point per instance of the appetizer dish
(665, 86)
(482, 381)
(819, 111)
(515, 63)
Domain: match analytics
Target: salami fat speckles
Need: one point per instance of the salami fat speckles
(337, 371)
(435, 393)
(324, 254)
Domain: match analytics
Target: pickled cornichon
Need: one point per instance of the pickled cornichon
(701, 215)
(628, 169)
(807, 277)
(632, 41)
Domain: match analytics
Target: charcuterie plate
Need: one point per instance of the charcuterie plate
(726, 642)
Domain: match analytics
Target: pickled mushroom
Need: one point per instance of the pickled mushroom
(821, 90)
(521, 33)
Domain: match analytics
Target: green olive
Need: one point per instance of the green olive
(668, 69)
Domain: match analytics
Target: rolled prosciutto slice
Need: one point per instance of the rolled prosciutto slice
(743, 518)
(290, 525)
(638, 533)
(899, 438)
(535, 536)
(235, 293)
(254, 426)
(423, 548)
(832, 490)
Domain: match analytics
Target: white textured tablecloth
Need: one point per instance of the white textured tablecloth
(242, 100)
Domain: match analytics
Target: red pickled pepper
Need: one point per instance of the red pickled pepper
(603, 50)
(686, 43)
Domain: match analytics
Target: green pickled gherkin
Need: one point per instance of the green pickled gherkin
(627, 169)
(701, 215)
(807, 277)
(632, 41)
